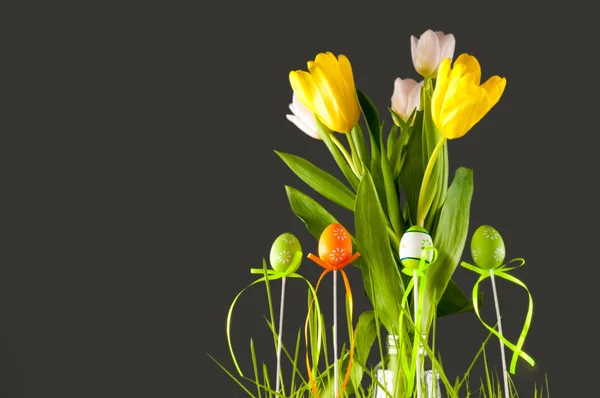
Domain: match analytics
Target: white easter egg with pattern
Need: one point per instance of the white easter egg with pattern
(412, 247)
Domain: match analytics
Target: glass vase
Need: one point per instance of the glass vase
(388, 377)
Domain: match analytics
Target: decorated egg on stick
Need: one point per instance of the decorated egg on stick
(416, 244)
(335, 253)
(487, 247)
(283, 252)
(335, 245)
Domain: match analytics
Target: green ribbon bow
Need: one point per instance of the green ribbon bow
(502, 272)
(423, 265)
(271, 275)
(420, 270)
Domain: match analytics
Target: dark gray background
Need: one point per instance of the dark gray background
(139, 182)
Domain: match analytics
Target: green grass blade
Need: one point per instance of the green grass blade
(255, 367)
(266, 380)
(295, 363)
(232, 376)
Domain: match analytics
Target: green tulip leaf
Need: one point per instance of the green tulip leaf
(454, 221)
(381, 277)
(391, 140)
(372, 118)
(319, 180)
(454, 301)
(364, 337)
(391, 196)
(312, 214)
(413, 169)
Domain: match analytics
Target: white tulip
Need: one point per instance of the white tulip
(406, 97)
(429, 50)
(303, 118)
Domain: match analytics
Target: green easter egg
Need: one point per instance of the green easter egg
(282, 252)
(487, 247)
(414, 240)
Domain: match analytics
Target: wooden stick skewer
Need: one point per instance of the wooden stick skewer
(504, 371)
(279, 335)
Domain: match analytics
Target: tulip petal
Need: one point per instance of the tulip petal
(494, 87)
(461, 92)
(461, 113)
(400, 97)
(441, 87)
(454, 81)
(351, 107)
(300, 124)
(328, 92)
(346, 71)
(414, 44)
(414, 98)
(481, 108)
(303, 85)
(428, 53)
(470, 65)
(459, 101)
(327, 104)
(327, 62)
(305, 116)
(303, 112)
(447, 44)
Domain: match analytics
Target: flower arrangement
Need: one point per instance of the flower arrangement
(409, 233)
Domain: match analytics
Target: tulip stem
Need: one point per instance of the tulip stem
(421, 211)
(357, 163)
(344, 152)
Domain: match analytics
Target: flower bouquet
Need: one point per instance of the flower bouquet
(408, 238)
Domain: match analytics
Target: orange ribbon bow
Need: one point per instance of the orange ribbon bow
(335, 253)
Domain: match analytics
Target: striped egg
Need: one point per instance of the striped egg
(412, 246)
(487, 247)
(282, 252)
(335, 245)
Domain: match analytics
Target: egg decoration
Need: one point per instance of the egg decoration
(412, 245)
(335, 245)
(487, 247)
(283, 251)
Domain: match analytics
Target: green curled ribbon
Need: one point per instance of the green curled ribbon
(502, 272)
(271, 275)
(423, 266)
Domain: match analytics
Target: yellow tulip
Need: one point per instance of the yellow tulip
(327, 90)
(459, 100)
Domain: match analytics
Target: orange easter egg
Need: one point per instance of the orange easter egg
(335, 245)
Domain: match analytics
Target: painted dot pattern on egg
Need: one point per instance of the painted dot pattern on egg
(490, 233)
(288, 238)
(284, 257)
(337, 255)
(340, 233)
(499, 254)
